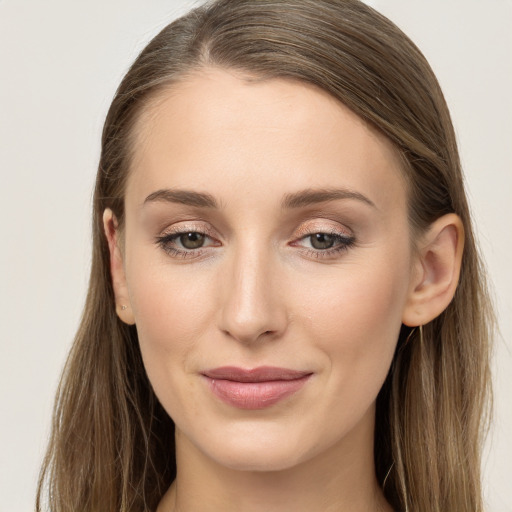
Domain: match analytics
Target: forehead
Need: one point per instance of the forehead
(219, 127)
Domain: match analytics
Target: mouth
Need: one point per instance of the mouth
(256, 388)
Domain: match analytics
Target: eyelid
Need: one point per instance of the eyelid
(323, 226)
(344, 239)
(343, 243)
(168, 239)
(188, 227)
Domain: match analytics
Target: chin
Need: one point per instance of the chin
(262, 451)
(262, 460)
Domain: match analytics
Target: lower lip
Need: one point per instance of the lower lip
(255, 395)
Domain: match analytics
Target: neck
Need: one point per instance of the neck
(342, 479)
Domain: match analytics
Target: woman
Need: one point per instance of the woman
(284, 265)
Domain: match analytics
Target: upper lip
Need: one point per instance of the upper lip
(259, 374)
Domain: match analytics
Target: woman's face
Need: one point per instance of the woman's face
(268, 265)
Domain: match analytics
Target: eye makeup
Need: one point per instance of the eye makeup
(187, 241)
(192, 242)
(324, 244)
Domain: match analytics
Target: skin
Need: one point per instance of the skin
(258, 293)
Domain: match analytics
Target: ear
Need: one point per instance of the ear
(123, 306)
(437, 270)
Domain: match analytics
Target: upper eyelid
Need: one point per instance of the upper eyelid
(305, 229)
(187, 227)
(341, 230)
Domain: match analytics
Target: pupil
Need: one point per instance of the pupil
(322, 241)
(192, 240)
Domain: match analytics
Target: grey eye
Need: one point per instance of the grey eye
(322, 240)
(192, 240)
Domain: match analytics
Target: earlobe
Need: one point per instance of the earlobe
(438, 265)
(123, 306)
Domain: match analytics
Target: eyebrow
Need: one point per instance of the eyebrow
(187, 197)
(309, 197)
(298, 199)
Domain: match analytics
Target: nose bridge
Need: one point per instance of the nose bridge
(252, 304)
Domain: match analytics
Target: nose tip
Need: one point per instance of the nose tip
(248, 329)
(253, 306)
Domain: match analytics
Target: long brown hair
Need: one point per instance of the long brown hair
(112, 444)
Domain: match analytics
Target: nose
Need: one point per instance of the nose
(253, 301)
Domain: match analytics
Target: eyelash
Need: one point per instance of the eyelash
(341, 243)
(165, 241)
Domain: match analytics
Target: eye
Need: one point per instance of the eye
(192, 240)
(322, 244)
(185, 243)
(322, 240)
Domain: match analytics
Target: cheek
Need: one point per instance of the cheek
(170, 321)
(356, 323)
(165, 312)
(172, 311)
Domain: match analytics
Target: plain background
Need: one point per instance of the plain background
(60, 62)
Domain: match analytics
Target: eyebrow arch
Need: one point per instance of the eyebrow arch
(187, 197)
(310, 196)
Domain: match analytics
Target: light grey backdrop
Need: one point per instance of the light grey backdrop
(60, 63)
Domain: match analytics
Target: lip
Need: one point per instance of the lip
(255, 388)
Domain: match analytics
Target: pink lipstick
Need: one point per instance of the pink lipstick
(255, 388)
